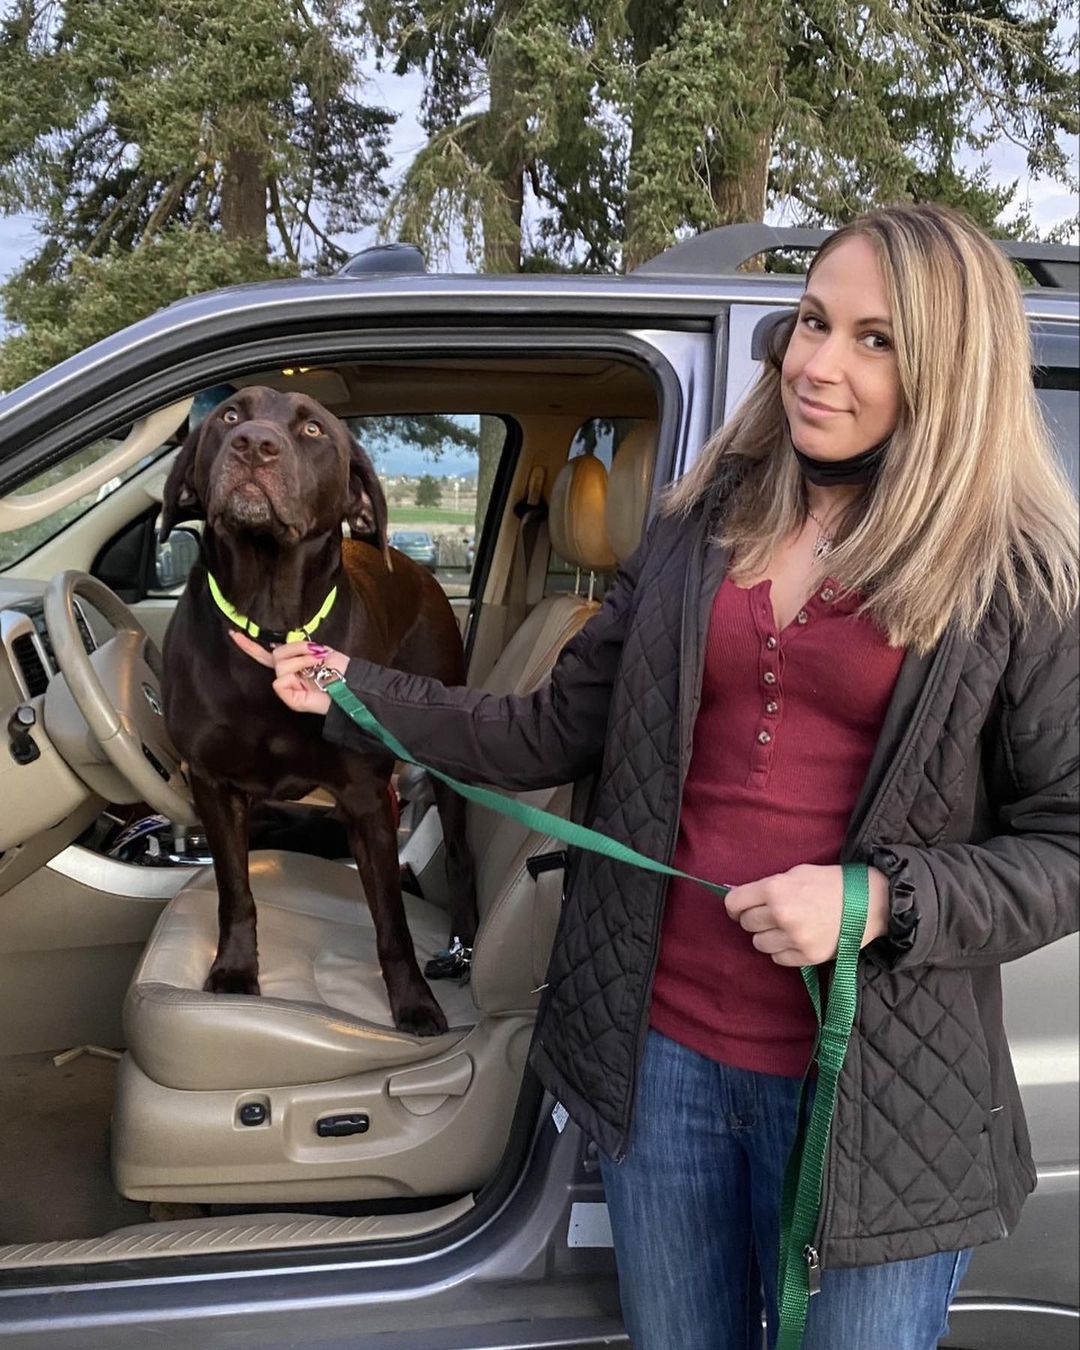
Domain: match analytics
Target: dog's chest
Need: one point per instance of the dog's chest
(265, 757)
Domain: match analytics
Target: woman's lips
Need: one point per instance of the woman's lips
(809, 408)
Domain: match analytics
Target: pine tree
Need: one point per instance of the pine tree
(633, 122)
(168, 146)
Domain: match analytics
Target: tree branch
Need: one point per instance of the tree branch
(279, 219)
(166, 207)
(305, 217)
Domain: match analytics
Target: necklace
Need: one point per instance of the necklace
(824, 541)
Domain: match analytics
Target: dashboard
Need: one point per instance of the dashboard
(26, 643)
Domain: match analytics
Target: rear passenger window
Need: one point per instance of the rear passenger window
(1059, 395)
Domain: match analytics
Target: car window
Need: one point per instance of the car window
(437, 470)
(1060, 403)
(19, 543)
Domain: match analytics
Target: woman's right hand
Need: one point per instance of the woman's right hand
(288, 662)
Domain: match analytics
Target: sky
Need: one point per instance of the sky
(1049, 202)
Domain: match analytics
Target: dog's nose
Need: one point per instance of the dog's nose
(254, 444)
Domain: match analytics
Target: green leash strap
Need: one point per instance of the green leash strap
(543, 822)
(800, 1206)
(801, 1201)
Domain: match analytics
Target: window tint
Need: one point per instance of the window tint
(437, 471)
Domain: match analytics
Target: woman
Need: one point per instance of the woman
(849, 636)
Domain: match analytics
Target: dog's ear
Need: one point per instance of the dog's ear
(180, 499)
(366, 512)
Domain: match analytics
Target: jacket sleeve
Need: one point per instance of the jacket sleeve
(1000, 899)
(517, 742)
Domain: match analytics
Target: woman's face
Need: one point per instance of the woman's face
(840, 386)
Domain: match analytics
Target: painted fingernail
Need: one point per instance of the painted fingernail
(316, 650)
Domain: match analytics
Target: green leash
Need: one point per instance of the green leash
(799, 1273)
(803, 1179)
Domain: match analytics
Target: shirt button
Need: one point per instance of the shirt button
(769, 677)
(772, 706)
(802, 616)
(764, 737)
(770, 642)
(828, 594)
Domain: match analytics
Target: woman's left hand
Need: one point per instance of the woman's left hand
(289, 662)
(795, 916)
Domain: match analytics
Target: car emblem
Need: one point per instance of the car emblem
(153, 698)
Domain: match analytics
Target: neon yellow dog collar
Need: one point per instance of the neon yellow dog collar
(268, 635)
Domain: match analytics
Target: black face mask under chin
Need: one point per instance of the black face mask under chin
(841, 472)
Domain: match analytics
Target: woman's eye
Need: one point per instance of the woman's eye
(231, 416)
(812, 322)
(878, 342)
(312, 429)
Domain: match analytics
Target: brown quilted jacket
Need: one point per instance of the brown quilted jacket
(970, 806)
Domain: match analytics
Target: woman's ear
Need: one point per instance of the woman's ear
(366, 512)
(180, 499)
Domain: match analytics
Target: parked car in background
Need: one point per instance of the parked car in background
(417, 545)
(290, 1170)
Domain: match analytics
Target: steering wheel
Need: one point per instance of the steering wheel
(117, 689)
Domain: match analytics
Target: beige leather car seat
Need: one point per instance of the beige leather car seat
(309, 1093)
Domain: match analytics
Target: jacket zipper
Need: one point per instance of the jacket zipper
(684, 729)
(933, 677)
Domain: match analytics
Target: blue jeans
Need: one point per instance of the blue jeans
(695, 1213)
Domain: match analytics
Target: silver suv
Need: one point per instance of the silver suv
(165, 1176)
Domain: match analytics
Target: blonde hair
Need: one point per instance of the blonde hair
(970, 495)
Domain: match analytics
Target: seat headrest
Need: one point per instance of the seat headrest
(576, 515)
(628, 488)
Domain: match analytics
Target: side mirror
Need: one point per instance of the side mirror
(175, 558)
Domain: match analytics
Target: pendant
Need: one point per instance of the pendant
(822, 547)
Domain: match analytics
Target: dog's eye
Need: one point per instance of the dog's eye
(312, 429)
(231, 416)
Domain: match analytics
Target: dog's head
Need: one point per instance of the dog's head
(275, 464)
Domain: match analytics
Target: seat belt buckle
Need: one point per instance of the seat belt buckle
(453, 963)
(545, 862)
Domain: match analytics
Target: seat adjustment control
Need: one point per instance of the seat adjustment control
(337, 1127)
(253, 1113)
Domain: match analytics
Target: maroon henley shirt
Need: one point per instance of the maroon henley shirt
(782, 743)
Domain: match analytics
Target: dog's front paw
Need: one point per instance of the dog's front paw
(231, 980)
(420, 1015)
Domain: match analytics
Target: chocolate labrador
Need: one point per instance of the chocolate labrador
(274, 475)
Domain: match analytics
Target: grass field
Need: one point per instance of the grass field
(428, 515)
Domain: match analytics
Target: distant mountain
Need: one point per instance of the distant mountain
(403, 459)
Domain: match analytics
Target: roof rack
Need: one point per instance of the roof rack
(722, 251)
(385, 260)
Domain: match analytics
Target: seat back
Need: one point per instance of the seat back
(518, 913)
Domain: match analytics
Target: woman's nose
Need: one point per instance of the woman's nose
(825, 365)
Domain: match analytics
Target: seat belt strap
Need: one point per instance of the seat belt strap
(532, 513)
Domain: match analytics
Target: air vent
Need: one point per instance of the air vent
(84, 631)
(34, 674)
